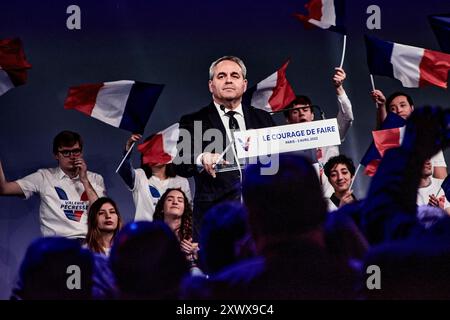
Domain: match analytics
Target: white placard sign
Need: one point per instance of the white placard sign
(291, 137)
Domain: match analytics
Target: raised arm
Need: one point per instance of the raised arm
(88, 188)
(126, 171)
(439, 166)
(389, 211)
(8, 188)
(380, 101)
(345, 112)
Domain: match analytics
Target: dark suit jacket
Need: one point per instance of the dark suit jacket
(226, 185)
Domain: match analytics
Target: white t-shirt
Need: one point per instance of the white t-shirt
(147, 191)
(64, 203)
(434, 187)
(328, 152)
(330, 204)
(344, 120)
(438, 160)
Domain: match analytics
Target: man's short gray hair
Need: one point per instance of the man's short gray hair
(230, 58)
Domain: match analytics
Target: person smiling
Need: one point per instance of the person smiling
(301, 110)
(340, 171)
(402, 104)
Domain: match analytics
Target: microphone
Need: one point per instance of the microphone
(222, 107)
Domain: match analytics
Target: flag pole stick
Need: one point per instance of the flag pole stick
(123, 160)
(354, 177)
(239, 167)
(373, 86)
(343, 51)
(372, 82)
(439, 191)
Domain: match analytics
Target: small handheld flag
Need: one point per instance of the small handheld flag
(271, 94)
(414, 67)
(325, 14)
(123, 104)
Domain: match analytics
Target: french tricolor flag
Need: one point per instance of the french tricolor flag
(388, 139)
(162, 147)
(123, 104)
(390, 136)
(271, 94)
(13, 64)
(325, 14)
(414, 67)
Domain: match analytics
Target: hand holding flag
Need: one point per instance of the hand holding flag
(128, 147)
(389, 136)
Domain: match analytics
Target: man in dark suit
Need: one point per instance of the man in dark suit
(209, 131)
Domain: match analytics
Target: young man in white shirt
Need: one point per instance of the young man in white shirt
(430, 191)
(66, 191)
(402, 104)
(300, 110)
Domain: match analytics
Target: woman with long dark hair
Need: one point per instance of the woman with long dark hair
(104, 222)
(174, 209)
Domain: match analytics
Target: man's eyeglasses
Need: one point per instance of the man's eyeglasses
(68, 153)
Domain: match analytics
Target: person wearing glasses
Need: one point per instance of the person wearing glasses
(301, 110)
(66, 191)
